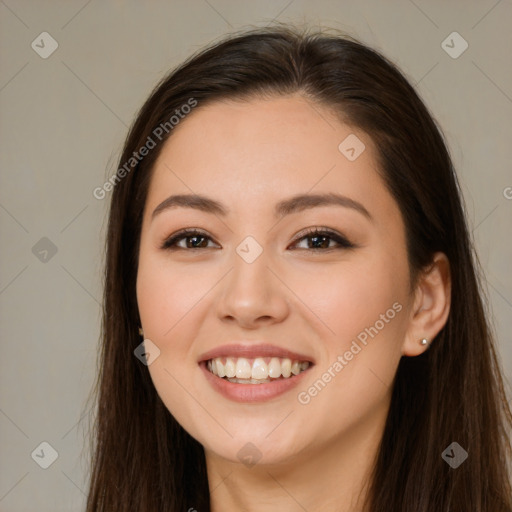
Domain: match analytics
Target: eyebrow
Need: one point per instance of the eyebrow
(288, 206)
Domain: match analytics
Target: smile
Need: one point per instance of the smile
(259, 370)
(251, 372)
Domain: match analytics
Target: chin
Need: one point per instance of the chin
(259, 442)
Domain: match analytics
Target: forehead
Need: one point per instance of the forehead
(255, 152)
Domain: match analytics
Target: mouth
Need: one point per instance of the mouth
(255, 372)
(259, 370)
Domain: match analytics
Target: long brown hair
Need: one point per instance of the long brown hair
(143, 460)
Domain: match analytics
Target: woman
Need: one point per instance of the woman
(292, 316)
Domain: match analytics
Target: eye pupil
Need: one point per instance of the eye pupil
(317, 237)
(194, 245)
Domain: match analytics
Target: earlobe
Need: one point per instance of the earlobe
(431, 306)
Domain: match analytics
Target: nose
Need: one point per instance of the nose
(252, 295)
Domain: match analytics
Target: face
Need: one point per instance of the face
(309, 298)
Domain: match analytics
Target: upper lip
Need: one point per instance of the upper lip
(253, 350)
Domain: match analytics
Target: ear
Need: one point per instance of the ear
(431, 306)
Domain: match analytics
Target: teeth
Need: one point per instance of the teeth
(248, 381)
(255, 371)
(243, 369)
(220, 368)
(274, 368)
(259, 369)
(229, 367)
(286, 368)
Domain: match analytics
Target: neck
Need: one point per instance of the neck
(332, 475)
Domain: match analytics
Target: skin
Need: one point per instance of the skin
(250, 155)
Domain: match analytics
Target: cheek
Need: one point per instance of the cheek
(166, 294)
(351, 296)
(366, 311)
(168, 300)
(363, 302)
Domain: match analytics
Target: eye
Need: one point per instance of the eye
(321, 239)
(198, 240)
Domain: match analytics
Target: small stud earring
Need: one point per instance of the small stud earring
(424, 341)
(141, 332)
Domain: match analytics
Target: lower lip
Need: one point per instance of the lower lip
(251, 392)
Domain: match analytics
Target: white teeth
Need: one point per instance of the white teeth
(243, 369)
(286, 368)
(259, 369)
(249, 381)
(220, 368)
(274, 368)
(255, 371)
(229, 368)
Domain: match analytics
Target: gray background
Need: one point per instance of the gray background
(63, 120)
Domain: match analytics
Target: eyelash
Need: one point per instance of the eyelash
(343, 243)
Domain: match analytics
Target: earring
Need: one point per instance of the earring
(424, 341)
(141, 332)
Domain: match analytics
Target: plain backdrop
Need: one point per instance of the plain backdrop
(64, 117)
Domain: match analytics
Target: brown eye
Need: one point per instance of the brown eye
(194, 239)
(322, 238)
